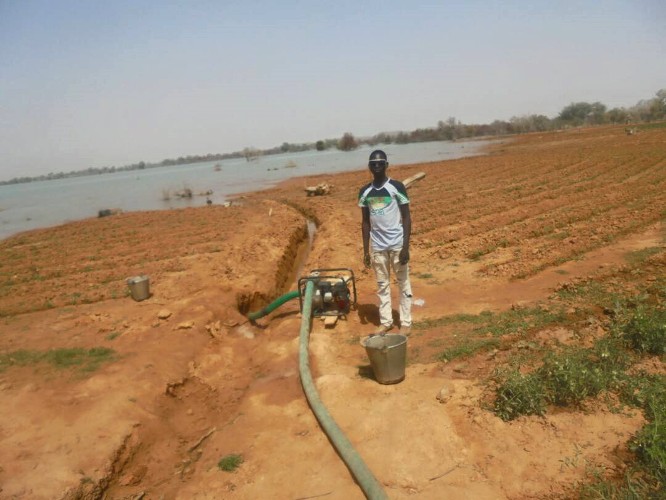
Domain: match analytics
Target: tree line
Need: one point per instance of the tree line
(578, 114)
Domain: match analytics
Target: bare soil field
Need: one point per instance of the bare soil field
(106, 397)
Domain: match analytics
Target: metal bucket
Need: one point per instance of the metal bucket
(139, 287)
(388, 355)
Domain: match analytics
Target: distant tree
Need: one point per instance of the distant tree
(575, 113)
(320, 146)
(541, 123)
(656, 107)
(531, 123)
(423, 135)
(401, 138)
(500, 127)
(641, 111)
(381, 138)
(597, 114)
(251, 154)
(583, 113)
(347, 142)
(519, 124)
(661, 98)
(617, 115)
(449, 130)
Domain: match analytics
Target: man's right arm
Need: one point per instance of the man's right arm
(365, 231)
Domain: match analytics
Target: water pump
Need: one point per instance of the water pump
(332, 295)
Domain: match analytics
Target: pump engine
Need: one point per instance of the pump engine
(332, 295)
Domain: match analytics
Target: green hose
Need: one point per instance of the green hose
(273, 305)
(364, 477)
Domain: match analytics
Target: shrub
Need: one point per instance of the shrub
(230, 463)
(630, 488)
(645, 330)
(519, 395)
(610, 356)
(649, 444)
(574, 374)
(570, 377)
(347, 142)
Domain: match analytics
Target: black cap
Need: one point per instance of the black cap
(377, 155)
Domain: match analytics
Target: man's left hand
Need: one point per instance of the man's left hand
(404, 256)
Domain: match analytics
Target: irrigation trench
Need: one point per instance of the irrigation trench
(360, 471)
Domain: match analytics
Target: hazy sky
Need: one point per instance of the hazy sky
(95, 83)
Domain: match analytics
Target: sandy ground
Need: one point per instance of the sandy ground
(192, 381)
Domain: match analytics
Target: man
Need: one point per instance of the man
(386, 229)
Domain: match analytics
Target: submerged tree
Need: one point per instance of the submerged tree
(347, 142)
(251, 153)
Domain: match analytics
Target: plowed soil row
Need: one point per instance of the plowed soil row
(191, 380)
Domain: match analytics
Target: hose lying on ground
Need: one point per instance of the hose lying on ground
(364, 477)
(273, 305)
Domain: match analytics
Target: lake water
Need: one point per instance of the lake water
(48, 203)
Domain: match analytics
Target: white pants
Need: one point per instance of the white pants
(382, 263)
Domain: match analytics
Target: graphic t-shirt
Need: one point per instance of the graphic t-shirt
(385, 221)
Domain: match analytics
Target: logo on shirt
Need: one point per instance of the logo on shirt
(378, 204)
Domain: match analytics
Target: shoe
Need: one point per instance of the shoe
(383, 329)
(405, 330)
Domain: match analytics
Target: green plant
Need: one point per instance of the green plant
(650, 126)
(640, 256)
(423, 275)
(522, 319)
(589, 291)
(645, 329)
(649, 444)
(467, 348)
(230, 462)
(559, 235)
(520, 394)
(647, 391)
(631, 488)
(86, 360)
(516, 320)
(608, 354)
(654, 405)
(428, 323)
(570, 377)
(477, 254)
(22, 357)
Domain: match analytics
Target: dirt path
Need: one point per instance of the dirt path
(191, 381)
